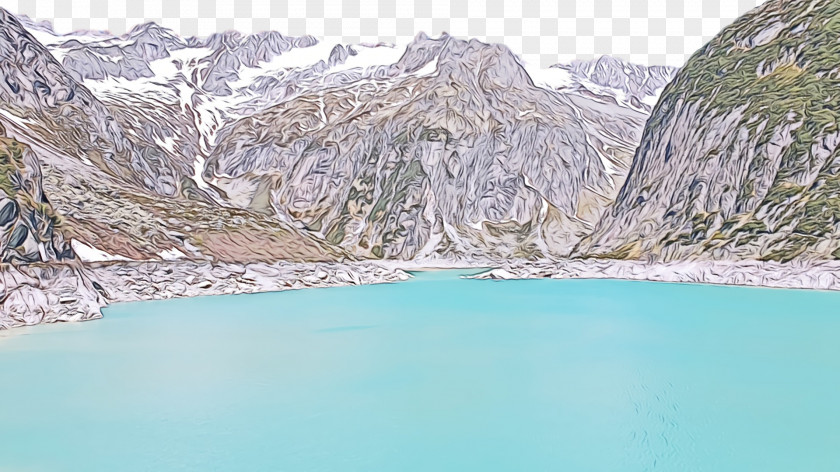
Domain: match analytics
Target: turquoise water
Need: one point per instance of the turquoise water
(434, 374)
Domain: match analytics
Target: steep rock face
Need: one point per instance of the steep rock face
(450, 150)
(740, 158)
(27, 220)
(29, 234)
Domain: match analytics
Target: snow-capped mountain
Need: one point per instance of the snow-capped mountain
(444, 147)
(452, 148)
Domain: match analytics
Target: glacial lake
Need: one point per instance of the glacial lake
(437, 373)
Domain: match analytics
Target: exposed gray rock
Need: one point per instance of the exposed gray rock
(134, 281)
(47, 293)
(27, 220)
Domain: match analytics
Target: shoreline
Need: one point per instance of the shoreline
(181, 279)
(48, 293)
(804, 275)
(77, 291)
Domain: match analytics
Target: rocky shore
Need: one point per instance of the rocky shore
(47, 293)
(817, 275)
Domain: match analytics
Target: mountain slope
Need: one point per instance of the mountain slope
(450, 150)
(38, 91)
(740, 157)
(113, 190)
(209, 98)
(176, 94)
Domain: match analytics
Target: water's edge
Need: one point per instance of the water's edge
(49, 293)
(57, 293)
(811, 275)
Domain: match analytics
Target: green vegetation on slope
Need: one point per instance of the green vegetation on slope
(754, 115)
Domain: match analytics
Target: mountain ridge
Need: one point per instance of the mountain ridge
(197, 122)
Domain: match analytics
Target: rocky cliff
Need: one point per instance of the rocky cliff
(740, 158)
(27, 220)
(38, 281)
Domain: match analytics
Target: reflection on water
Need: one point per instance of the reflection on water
(436, 374)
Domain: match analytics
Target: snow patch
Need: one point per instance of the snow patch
(171, 254)
(429, 69)
(293, 59)
(88, 253)
(552, 78)
(198, 167)
(368, 56)
(168, 143)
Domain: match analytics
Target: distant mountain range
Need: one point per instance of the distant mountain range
(444, 149)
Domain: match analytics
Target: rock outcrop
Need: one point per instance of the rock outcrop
(47, 293)
(27, 221)
(38, 280)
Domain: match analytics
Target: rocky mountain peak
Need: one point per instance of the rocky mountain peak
(225, 39)
(637, 82)
(152, 41)
(495, 66)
